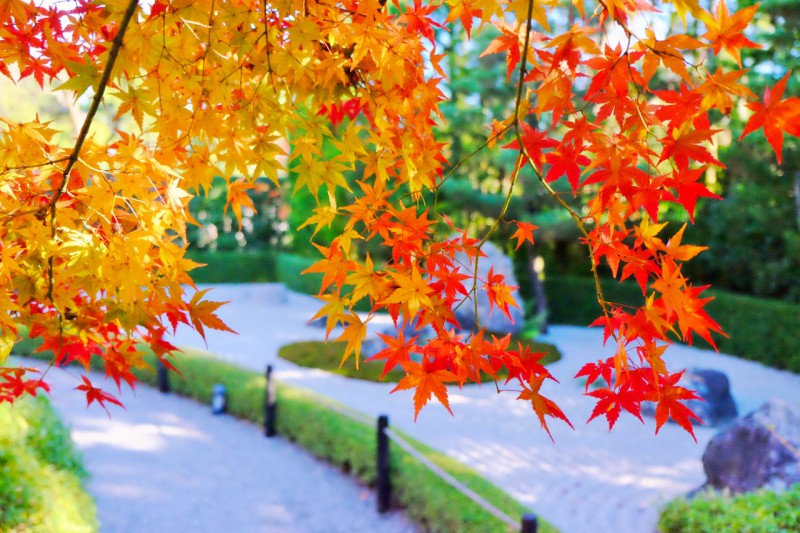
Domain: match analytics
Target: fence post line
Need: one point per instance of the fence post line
(384, 486)
(162, 377)
(269, 405)
(529, 523)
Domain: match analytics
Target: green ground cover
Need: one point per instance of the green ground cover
(41, 474)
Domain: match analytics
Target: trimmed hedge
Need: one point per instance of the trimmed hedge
(233, 267)
(266, 267)
(41, 474)
(756, 512)
(288, 269)
(760, 330)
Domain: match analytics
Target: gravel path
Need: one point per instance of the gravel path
(166, 464)
(590, 480)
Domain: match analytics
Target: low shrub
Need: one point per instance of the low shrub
(756, 512)
(760, 330)
(41, 474)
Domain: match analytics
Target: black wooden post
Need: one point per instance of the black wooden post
(269, 405)
(383, 482)
(162, 377)
(529, 523)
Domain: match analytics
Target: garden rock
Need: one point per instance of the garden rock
(716, 406)
(757, 451)
(492, 318)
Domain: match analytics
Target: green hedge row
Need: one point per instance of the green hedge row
(230, 267)
(41, 474)
(760, 330)
(266, 267)
(756, 512)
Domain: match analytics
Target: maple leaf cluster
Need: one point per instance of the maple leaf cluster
(94, 232)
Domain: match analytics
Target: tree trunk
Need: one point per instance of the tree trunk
(797, 198)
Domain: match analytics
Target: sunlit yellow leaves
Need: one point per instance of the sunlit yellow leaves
(354, 332)
(7, 341)
(412, 292)
(684, 6)
(334, 311)
(238, 198)
(323, 217)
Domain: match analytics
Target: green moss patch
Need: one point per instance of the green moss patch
(328, 357)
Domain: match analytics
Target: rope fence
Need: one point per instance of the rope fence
(529, 523)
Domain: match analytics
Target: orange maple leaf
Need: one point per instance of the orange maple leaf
(238, 198)
(524, 233)
(542, 406)
(427, 379)
(499, 293)
(201, 312)
(354, 333)
(776, 116)
(725, 31)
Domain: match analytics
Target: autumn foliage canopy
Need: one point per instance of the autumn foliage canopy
(93, 231)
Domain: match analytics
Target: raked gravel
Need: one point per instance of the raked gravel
(589, 481)
(165, 464)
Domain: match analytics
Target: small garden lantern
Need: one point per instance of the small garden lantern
(219, 399)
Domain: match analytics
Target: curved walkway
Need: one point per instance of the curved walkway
(166, 464)
(589, 480)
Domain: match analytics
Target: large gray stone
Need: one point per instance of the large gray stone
(717, 406)
(757, 451)
(493, 319)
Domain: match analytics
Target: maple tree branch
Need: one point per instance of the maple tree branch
(524, 153)
(87, 123)
(47, 163)
(93, 108)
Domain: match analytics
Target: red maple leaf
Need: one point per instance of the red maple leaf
(533, 140)
(688, 188)
(670, 404)
(566, 159)
(94, 394)
(592, 371)
(610, 403)
(398, 350)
